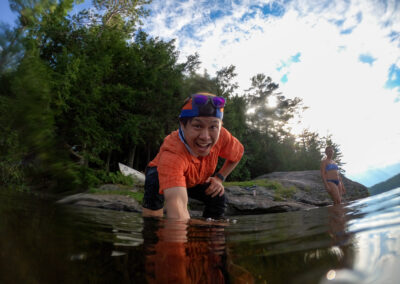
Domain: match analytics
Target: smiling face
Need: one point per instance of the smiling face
(201, 133)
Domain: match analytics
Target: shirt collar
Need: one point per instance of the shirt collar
(182, 137)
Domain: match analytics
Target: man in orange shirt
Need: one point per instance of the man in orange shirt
(185, 165)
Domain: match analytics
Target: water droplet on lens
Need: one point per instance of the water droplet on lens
(331, 274)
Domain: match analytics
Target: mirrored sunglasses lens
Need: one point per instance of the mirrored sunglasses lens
(200, 99)
(218, 101)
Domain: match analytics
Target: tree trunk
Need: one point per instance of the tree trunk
(85, 156)
(137, 160)
(148, 155)
(131, 157)
(108, 161)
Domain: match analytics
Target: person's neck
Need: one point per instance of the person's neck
(182, 137)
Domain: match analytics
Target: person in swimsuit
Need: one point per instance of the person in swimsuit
(331, 177)
(185, 165)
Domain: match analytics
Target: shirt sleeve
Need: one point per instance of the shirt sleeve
(171, 168)
(231, 148)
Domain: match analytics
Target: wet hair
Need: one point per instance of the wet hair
(207, 110)
(185, 120)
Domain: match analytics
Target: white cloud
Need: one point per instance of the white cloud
(346, 97)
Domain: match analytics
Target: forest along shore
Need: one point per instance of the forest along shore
(269, 193)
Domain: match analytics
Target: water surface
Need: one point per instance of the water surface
(42, 242)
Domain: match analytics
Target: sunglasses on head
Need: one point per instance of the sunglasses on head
(200, 100)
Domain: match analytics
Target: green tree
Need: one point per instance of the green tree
(30, 150)
(224, 81)
(267, 123)
(128, 12)
(327, 141)
(265, 116)
(308, 150)
(33, 120)
(199, 83)
(11, 172)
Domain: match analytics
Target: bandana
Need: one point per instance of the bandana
(191, 109)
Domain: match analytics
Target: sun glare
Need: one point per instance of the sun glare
(251, 110)
(272, 102)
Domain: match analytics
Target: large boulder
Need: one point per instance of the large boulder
(307, 191)
(105, 200)
(310, 182)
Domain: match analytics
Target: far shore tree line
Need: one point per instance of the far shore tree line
(80, 94)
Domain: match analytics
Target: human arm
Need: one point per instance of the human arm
(216, 187)
(176, 201)
(228, 167)
(323, 174)
(232, 151)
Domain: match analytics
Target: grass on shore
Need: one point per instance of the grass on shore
(138, 196)
(280, 192)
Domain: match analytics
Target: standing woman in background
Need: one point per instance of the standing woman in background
(331, 177)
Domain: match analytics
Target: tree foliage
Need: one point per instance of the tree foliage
(80, 94)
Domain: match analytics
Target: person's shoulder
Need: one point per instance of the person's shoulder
(173, 146)
(224, 133)
(224, 136)
(172, 141)
(224, 130)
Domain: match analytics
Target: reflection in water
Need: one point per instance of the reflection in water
(183, 252)
(376, 241)
(295, 247)
(337, 225)
(44, 243)
(41, 242)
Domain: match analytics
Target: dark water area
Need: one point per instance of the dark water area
(42, 242)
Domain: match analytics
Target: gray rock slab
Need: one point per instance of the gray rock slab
(104, 201)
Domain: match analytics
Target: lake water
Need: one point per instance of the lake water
(42, 242)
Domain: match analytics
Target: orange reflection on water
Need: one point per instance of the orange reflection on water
(181, 252)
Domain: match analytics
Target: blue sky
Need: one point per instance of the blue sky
(341, 57)
(5, 14)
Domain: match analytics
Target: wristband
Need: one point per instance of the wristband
(221, 177)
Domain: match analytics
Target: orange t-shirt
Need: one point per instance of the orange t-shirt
(177, 167)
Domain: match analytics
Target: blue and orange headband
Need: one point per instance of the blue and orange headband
(203, 104)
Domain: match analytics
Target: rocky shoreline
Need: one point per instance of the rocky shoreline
(303, 190)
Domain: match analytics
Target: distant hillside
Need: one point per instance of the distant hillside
(374, 176)
(389, 184)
